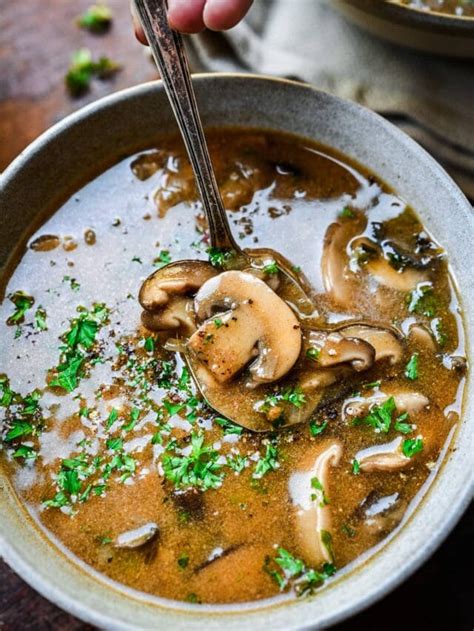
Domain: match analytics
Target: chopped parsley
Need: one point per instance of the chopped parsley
(317, 428)
(97, 18)
(355, 467)
(78, 346)
(412, 446)
(401, 425)
(268, 463)
(162, 259)
(347, 213)
(199, 469)
(422, 300)
(23, 302)
(237, 462)
(40, 319)
(228, 427)
(183, 560)
(83, 68)
(149, 344)
(75, 286)
(313, 354)
(379, 416)
(271, 268)
(411, 370)
(218, 323)
(319, 496)
(218, 257)
(292, 571)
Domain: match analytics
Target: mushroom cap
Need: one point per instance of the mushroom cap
(385, 341)
(176, 313)
(179, 278)
(256, 323)
(336, 349)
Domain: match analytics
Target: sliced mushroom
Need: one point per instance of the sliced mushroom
(165, 299)
(336, 348)
(313, 513)
(411, 402)
(405, 279)
(386, 457)
(421, 336)
(385, 341)
(336, 275)
(258, 324)
(137, 537)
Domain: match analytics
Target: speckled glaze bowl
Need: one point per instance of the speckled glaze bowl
(427, 31)
(75, 150)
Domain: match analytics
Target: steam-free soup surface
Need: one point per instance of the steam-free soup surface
(113, 450)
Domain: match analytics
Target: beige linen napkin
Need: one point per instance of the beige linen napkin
(431, 98)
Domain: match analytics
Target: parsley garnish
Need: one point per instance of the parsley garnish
(317, 428)
(320, 495)
(400, 424)
(411, 370)
(83, 68)
(271, 269)
(227, 426)
(218, 257)
(96, 19)
(412, 446)
(292, 571)
(40, 319)
(22, 303)
(313, 354)
(183, 560)
(149, 344)
(200, 469)
(422, 300)
(355, 467)
(268, 463)
(162, 259)
(347, 213)
(379, 417)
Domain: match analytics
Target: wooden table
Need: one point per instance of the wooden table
(37, 38)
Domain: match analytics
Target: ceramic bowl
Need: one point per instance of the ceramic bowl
(76, 149)
(427, 31)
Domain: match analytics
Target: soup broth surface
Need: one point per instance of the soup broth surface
(113, 450)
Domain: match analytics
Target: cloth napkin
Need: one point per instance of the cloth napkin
(431, 98)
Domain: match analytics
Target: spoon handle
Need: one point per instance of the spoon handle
(170, 56)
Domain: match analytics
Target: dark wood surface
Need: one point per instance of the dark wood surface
(37, 38)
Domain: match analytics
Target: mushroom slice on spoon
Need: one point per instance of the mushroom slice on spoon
(257, 323)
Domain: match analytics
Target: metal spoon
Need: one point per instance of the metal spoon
(170, 56)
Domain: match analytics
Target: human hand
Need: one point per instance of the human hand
(193, 16)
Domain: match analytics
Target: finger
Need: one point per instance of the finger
(137, 27)
(220, 15)
(186, 15)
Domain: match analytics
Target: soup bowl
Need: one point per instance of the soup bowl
(426, 31)
(76, 150)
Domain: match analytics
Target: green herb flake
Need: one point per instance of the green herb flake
(412, 446)
(164, 258)
(320, 495)
(23, 302)
(355, 467)
(401, 425)
(228, 426)
(422, 300)
(348, 531)
(218, 257)
(199, 469)
(218, 323)
(317, 428)
(97, 18)
(113, 416)
(83, 68)
(379, 417)
(149, 344)
(183, 561)
(133, 419)
(411, 370)
(347, 213)
(268, 463)
(313, 354)
(40, 319)
(271, 268)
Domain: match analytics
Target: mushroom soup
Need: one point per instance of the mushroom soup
(116, 454)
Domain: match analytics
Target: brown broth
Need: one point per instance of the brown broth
(217, 545)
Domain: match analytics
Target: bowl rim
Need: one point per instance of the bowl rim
(439, 15)
(53, 591)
